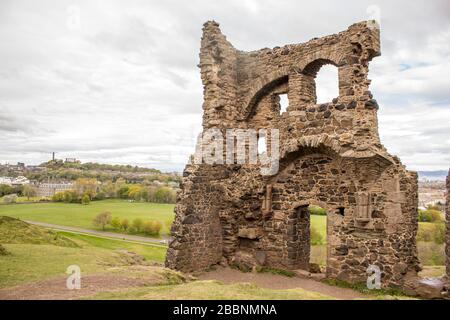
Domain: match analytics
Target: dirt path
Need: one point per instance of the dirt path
(56, 289)
(163, 241)
(277, 282)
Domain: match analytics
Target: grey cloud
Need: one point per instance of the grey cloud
(125, 87)
(10, 124)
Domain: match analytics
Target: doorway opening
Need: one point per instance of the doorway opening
(430, 241)
(318, 236)
(307, 233)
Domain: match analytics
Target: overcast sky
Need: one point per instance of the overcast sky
(117, 82)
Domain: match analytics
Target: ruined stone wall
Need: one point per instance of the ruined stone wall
(447, 235)
(330, 155)
(199, 244)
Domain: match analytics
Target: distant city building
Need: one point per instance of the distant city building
(20, 181)
(14, 168)
(36, 168)
(10, 181)
(72, 160)
(6, 180)
(48, 189)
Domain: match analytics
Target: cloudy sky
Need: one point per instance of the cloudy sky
(117, 82)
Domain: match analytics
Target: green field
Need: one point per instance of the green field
(31, 262)
(35, 254)
(320, 224)
(81, 216)
(77, 215)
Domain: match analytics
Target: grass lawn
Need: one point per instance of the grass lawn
(432, 271)
(78, 215)
(320, 224)
(150, 252)
(33, 262)
(26, 199)
(319, 255)
(211, 290)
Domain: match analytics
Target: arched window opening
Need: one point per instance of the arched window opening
(284, 102)
(327, 84)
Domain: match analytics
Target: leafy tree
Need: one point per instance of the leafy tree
(162, 195)
(29, 191)
(108, 188)
(120, 187)
(85, 186)
(102, 219)
(10, 198)
(65, 196)
(315, 210)
(430, 215)
(134, 192)
(144, 194)
(100, 196)
(125, 224)
(69, 196)
(58, 197)
(439, 233)
(122, 192)
(152, 228)
(85, 199)
(116, 224)
(137, 225)
(5, 190)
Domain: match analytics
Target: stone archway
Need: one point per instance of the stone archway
(300, 237)
(311, 177)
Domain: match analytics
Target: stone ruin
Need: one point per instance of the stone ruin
(447, 234)
(330, 156)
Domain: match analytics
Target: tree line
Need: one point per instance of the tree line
(85, 190)
(137, 226)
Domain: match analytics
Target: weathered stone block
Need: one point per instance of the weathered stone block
(248, 233)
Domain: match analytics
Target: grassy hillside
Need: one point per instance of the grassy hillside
(32, 256)
(16, 231)
(35, 257)
(211, 290)
(77, 215)
(151, 252)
